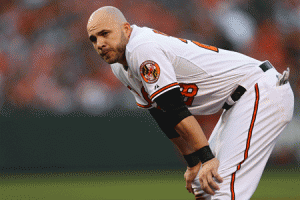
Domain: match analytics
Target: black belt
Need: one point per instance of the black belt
(240, 90)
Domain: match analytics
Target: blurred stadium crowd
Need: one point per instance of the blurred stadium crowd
(48, 63)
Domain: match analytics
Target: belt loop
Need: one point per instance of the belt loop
(234, 97)
(266, 66)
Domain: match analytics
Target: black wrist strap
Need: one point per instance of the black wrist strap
(204, 154)
(192, 159)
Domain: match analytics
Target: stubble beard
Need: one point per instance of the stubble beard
(119, 51)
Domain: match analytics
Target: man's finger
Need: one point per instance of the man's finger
(206, 188)
(212, 183)
(217, 176)
(189, 187)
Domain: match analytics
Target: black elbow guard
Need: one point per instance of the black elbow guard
(172, 103)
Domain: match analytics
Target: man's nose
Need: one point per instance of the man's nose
(100, 43)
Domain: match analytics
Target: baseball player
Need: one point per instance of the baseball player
(176, 79)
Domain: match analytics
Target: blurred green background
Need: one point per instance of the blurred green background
(70, 130)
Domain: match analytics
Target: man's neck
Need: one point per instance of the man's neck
(124, 61)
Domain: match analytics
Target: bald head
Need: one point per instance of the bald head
(109, 32)
(108, 14)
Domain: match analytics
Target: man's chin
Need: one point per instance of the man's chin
(109, 61)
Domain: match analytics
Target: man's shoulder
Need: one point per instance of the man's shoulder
(116, 67)
(141, 37)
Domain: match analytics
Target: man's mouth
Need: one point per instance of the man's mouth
(104, 53)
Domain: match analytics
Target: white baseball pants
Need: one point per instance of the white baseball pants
(245, 136)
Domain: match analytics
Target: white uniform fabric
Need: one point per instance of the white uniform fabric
(215, 74)
(246, 133)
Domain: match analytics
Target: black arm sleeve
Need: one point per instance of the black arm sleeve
(172, 103)
(161, 119)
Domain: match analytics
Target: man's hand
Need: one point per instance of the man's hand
(190, 175)
(208, 171)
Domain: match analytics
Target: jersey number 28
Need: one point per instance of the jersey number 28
(212, 48)
(188, 91)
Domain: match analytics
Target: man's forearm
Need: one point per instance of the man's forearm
(183, 147)
(179, 118)
(190, 130)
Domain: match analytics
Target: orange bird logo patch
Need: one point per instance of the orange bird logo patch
(150, 71)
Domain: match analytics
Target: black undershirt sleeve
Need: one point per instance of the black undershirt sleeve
(162, 120)
(173, 110)
(172, 103)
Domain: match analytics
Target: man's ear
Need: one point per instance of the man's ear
(127, 29)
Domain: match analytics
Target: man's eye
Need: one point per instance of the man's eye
(105, 33)
(93, 39)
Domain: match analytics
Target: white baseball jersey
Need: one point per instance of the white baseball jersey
(157, 63)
